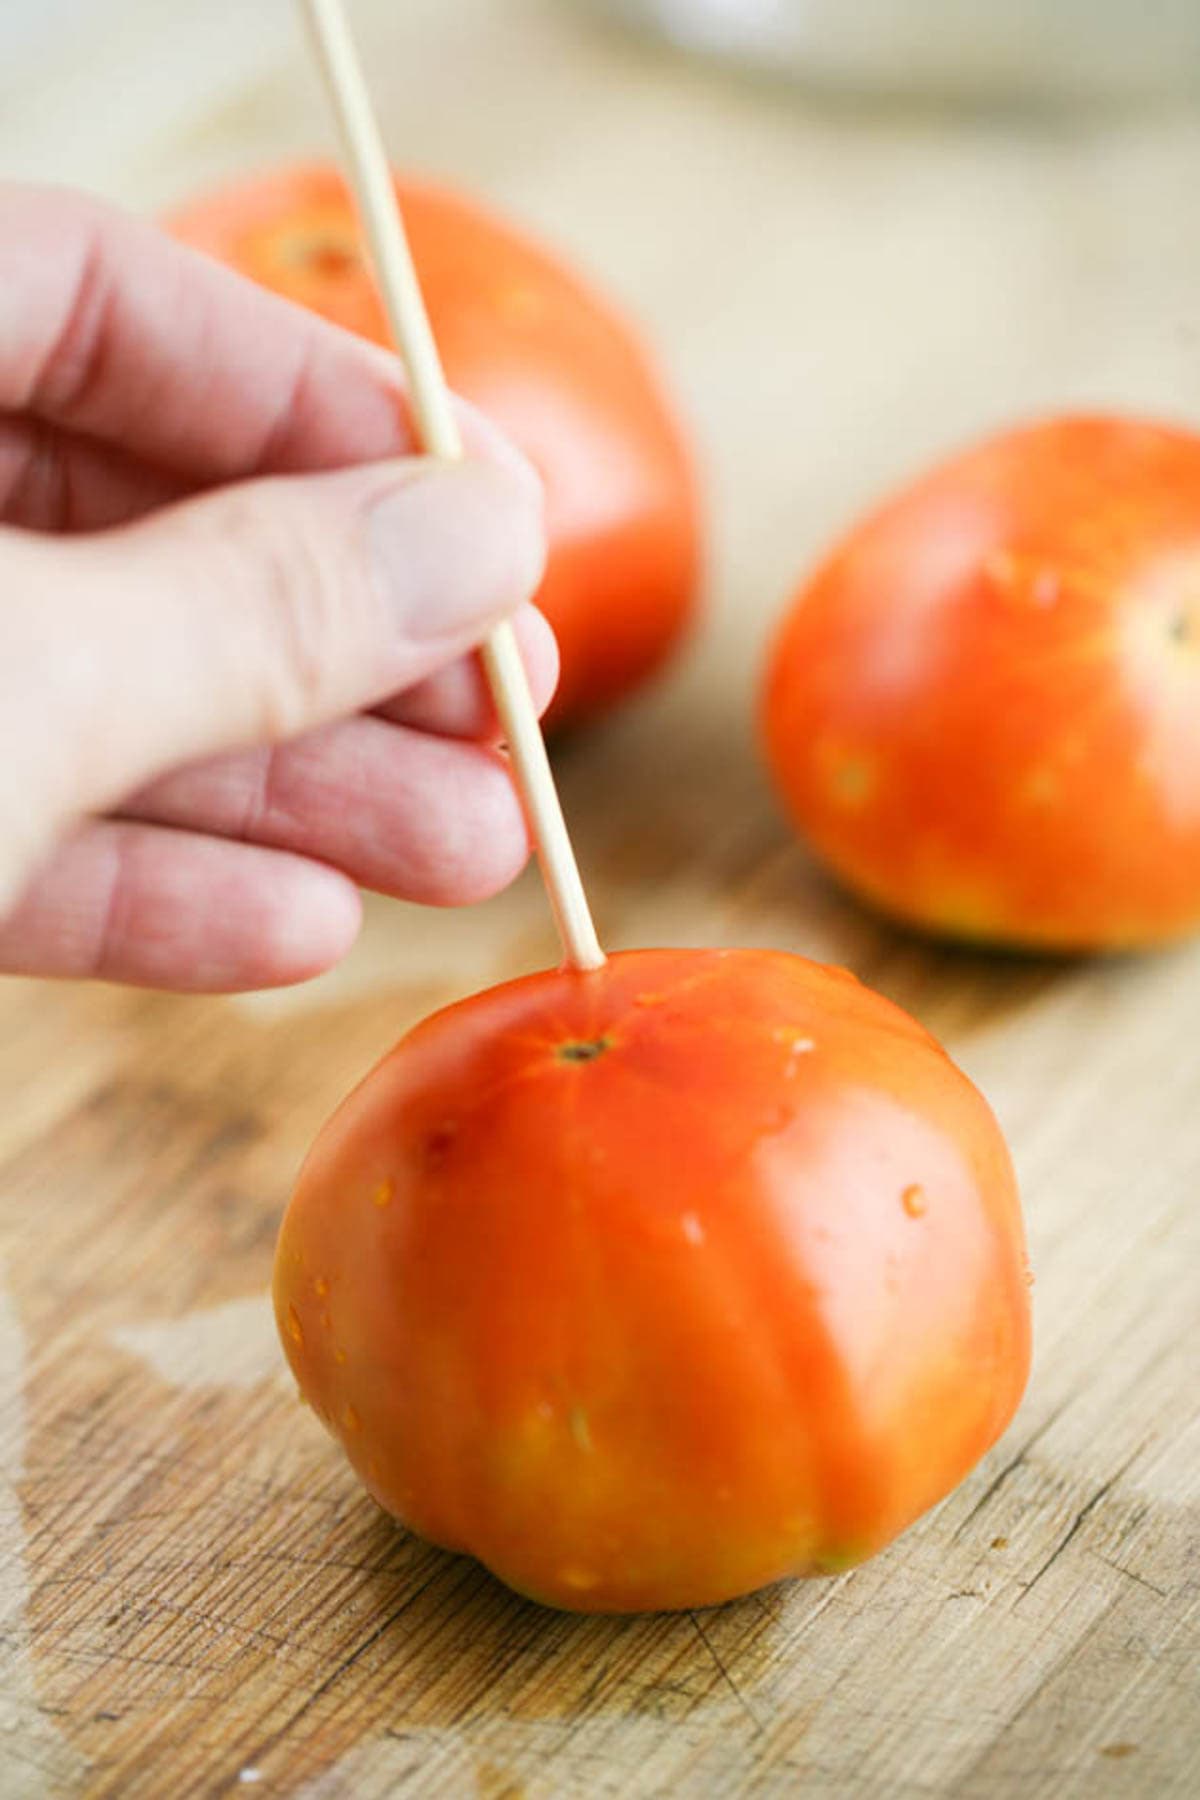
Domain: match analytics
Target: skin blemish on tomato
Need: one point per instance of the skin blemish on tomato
(1183, 628)
(847, 772)
(350, 1418)
(798, 1044)
(581, 1431)
(384, 1193)
(439, 1143)
(1001, 569)
(321, 1287)
(852, 781)
(1040, 788)
(1017, 579)
(915, 1201)
(779, 1117)
(295, 1329)
(575, 1577)
(330, 258)
(966, 911)
(339, 1355)
(519, 305)
(583, 1050)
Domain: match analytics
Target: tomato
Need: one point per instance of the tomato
(549, 360)
(651, 1285)
(984, 710)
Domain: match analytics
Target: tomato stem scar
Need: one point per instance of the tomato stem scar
(583, 1050)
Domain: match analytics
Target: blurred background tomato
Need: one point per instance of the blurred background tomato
(549, 359)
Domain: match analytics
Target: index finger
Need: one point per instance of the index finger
(109, 328)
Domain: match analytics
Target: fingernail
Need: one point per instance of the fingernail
(456, 546)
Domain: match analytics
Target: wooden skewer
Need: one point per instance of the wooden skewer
(371, 181)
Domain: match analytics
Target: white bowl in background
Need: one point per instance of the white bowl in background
(983, 50)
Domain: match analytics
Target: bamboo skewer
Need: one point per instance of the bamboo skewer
(371, 182)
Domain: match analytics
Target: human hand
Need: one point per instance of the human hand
(236, 614)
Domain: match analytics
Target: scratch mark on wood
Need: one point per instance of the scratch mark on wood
(1009, 1468)
(48, 1764)
(1078, 1522)
(343, 1668)
(1131, 1575)
(726, 1677)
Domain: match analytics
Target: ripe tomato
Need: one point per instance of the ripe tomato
(984, 710)
(549, 360)
(651, 1285)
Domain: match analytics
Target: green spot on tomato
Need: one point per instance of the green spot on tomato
(580, 1430)
(839, 1558)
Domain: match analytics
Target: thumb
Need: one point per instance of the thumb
(251, 614)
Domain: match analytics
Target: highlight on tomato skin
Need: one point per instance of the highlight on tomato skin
(983, 710)
(551, 361)
(653, 1285)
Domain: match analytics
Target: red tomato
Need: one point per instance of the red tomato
(652, 1285)
(549, 360)
(984, 710)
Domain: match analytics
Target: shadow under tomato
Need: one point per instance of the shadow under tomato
(957, 989)
(448, 1656)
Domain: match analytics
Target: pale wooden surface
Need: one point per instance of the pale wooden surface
(194, 1597)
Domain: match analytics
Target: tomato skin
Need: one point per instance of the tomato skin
(549, 360)
(983, 711)
(652, 1285)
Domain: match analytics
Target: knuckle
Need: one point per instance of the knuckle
(75, 361)
(298, 600)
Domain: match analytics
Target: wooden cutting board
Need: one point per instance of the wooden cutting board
(195, 1598)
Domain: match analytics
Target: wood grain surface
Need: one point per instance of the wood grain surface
(195, 1597)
